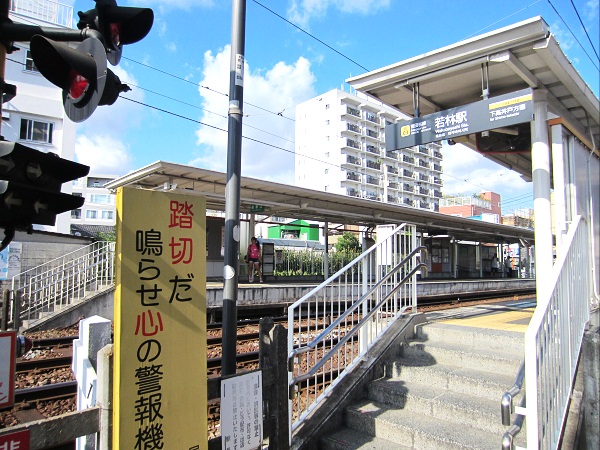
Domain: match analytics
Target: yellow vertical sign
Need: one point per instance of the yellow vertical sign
(160, 398)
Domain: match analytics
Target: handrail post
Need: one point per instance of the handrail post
(17, 310)
(273, 363)
(4, 317)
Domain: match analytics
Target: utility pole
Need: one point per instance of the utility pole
(232, 188)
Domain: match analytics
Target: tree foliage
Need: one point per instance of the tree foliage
(348, 242)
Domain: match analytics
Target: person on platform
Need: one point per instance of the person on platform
(495, 265)
(507, 266)
(254, 260)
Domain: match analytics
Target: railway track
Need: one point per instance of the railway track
(247, 337)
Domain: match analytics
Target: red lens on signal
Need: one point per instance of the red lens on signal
(77, 85)
(115, 33)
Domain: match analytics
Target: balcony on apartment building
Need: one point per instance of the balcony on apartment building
(393, 185)
(352, 161)
(373, 180)
(392, 170)
(373, 149)
(372, 135)
(436, 154)
(48, 11)
(351, 192)
(351, 129)
(373, 165)
(371, 117)
(352, 112)
(353, 176)
(408, 159)
(352, 145)
(423, 150)
(408, 173)
(437, 167)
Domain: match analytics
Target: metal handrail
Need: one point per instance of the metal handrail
(62, 281)
(509, 435)
(370, 294)
(554, 336)
(506, 404)
(315, 342)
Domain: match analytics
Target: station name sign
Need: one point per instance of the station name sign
(496, 112)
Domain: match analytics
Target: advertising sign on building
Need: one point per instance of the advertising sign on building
(496, 112)
(160, 396)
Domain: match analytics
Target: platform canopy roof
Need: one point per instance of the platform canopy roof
(520, 56)
(300, 203)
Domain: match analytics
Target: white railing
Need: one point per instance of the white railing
(553, 339)
(46, 10)
(65, 280)
(343, 317)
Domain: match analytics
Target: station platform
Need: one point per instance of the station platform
(274, 296)
(513, 316)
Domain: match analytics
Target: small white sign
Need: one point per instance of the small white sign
(239, 70)
(7, 368)
(241, 412)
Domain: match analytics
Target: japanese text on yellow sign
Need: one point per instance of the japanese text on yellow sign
(160, 398)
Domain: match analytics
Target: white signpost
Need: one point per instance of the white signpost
(241, 412)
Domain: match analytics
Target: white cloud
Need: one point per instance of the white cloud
(467, 172)
(104, 154)
(99, 139)
(301, 12)
(278, 89)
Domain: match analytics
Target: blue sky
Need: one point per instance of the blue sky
(182, 68)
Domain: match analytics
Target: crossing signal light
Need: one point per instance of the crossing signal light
(81, 73)
(118, 25)
(30, 184)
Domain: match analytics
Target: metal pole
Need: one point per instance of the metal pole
(540, 161)
(4, 9)
(232, 189)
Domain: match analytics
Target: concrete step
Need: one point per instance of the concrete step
(450, 353)
(349, 439)
(472, 337)
(418, 431)
(489, 385)
(459, 409)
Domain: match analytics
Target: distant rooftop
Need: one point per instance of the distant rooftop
(48, 11)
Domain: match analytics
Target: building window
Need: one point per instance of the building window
(91, 214)
(36, 131)
(76, 214)
(103, 199)
(107, 215)
(29, 64)
(326, 171)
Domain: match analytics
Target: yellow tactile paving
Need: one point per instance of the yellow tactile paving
(507, 321)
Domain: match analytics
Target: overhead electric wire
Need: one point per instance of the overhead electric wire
(208, 111)
(312, 36)
(206, 87)
(224, 130)
(573, 34)
(503, 19)
(585, 29)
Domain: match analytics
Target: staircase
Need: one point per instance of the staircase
(442, 391)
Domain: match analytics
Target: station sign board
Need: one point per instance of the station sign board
(496, 112)
(160, 385)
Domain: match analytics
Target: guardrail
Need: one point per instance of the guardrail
(553, 339)
(373, 290)
(63, 281)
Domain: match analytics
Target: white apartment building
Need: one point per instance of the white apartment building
(35, 117)
(99, 212)
(340, 148)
